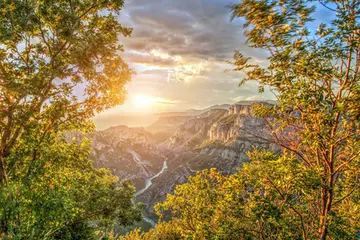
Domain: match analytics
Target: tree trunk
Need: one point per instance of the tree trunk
(325, 213)
(2, 169)
(323, 227)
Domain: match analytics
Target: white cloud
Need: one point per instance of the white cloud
(186, 73)
(160, 54)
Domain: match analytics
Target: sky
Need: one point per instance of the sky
(179, 50)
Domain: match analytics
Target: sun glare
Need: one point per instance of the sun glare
(143, 101)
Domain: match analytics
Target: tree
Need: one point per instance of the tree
(312, 189)
(60, 63)
(315, 77)
(209, 206)
(60, 191)
(162, 231)
(271, 197)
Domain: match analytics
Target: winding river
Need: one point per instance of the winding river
(148, 183)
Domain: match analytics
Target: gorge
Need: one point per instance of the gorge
(218, 137)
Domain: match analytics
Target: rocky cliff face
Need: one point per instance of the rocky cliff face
(238, 122)
(195, 130)
(131, 153)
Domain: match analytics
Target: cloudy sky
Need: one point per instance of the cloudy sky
(180, 49)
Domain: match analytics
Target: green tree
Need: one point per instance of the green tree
(311, 190)
(59, 65)
(271, 197)
(210, 206)
(162, 231)
(58, 191)
(315, 77)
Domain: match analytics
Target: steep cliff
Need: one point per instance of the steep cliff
(233, 135)
(195, 130)
(239, 122)
(131, 153)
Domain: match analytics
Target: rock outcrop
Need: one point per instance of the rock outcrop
(194, 131)
(239, 122)
(131, 153)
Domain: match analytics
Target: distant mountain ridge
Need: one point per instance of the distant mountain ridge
(218, 106)
(136, 119)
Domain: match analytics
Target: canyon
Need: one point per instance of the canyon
(166, 153)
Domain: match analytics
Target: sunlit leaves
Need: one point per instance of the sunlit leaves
(60, 64)
(315, 76)
(56, 187)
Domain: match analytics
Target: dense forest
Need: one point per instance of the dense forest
(60, 64)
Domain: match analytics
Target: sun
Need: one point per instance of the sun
(143, 101)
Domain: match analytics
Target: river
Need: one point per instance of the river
(148, 183)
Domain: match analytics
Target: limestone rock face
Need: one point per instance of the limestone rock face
(239, 122)
(195, 130)
(239, 109)
(131, 153)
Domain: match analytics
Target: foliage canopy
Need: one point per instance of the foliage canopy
(60, 63)
(312, 190)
